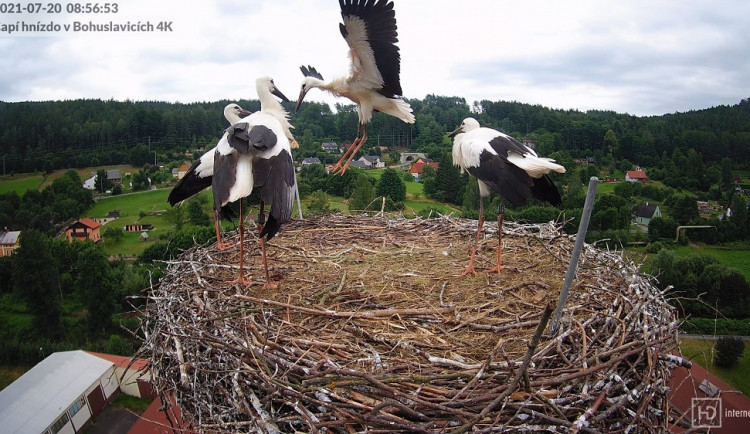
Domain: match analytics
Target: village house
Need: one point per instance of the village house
(372, 162)
(65, 392)
(645, 212)
(8, 242)
(83, 229)
(179, 172)
(636, 176)
(113, 175)
(330, 147)
(418, 166)
(310, 160)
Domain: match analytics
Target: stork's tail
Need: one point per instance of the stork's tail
(544, 189)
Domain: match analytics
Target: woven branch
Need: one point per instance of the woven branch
(370, 329)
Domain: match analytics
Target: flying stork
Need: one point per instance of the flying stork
(255, 152)
(373, 83)
(504, 166)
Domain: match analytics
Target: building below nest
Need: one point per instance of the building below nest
(371, 330)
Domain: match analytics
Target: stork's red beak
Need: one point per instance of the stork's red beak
(244, 113)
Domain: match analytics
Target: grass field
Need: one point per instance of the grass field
(701, 352)
(86, 172)
(20, 183)
(734, 255)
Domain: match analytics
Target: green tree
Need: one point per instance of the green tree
(102, 183)
(392, 186)
(36, 282)
(112, 233)
(611, 144)
(195, 213)
(94, 287)
(140, 180)
(729, 350)
(176, 216)
(319, 204)
(683, 207)
(363, 194)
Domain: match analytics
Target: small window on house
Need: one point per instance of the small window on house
(76, 406)
(59, 423)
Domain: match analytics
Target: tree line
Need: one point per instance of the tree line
(50, 135)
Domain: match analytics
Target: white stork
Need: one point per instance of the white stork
(268, 104)
(504, 166)
(373, 83)
(252, 153)
(199, 176)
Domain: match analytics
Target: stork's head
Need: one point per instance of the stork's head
(467, 125)
(234, 109)
(266, 84)
(312, 79)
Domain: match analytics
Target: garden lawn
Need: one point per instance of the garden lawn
(131, 204)
(20, 183)
(700, 352)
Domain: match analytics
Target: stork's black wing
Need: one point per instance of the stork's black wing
(190, 184)
(275, 177)
(241, 136)
(379, 33)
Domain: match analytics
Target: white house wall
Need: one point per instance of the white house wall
(129, 382)
(80, 418)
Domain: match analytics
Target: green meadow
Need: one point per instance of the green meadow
(20, 183)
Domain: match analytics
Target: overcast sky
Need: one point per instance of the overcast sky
(643, 57)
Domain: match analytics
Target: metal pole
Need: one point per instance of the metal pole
(588, 206)
(296, 193)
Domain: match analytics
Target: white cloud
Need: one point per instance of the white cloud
(641, 57)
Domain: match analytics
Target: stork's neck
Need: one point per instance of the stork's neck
(232, 117)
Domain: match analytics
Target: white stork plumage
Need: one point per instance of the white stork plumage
(268, 104)
(198, 177)
(255, 152)
(373, 83)
(504, 166)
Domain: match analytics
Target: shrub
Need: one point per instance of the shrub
(729, 349)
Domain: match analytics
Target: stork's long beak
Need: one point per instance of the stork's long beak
(278, 93)
(301, 96)
(244, 112)
(455, 132)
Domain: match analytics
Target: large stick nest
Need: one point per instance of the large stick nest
(371, 330)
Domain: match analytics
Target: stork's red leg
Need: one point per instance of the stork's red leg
(219, 244)
(358, 142)
(261, 223)
(500, 217)
(470, 267)
(241, 279)
(343, 161)
(268, 284)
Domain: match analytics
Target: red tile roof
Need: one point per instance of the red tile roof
(89, 223)
(636, 174)
(684, 385)
(121, 361)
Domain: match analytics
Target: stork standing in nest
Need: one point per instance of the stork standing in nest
(373, 83)
(504, 166)
(200, 174)
(252, 153)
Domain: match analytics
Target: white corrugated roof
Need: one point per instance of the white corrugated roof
(41, 395)
(9, 237)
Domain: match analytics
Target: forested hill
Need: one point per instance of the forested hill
(60, 134)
